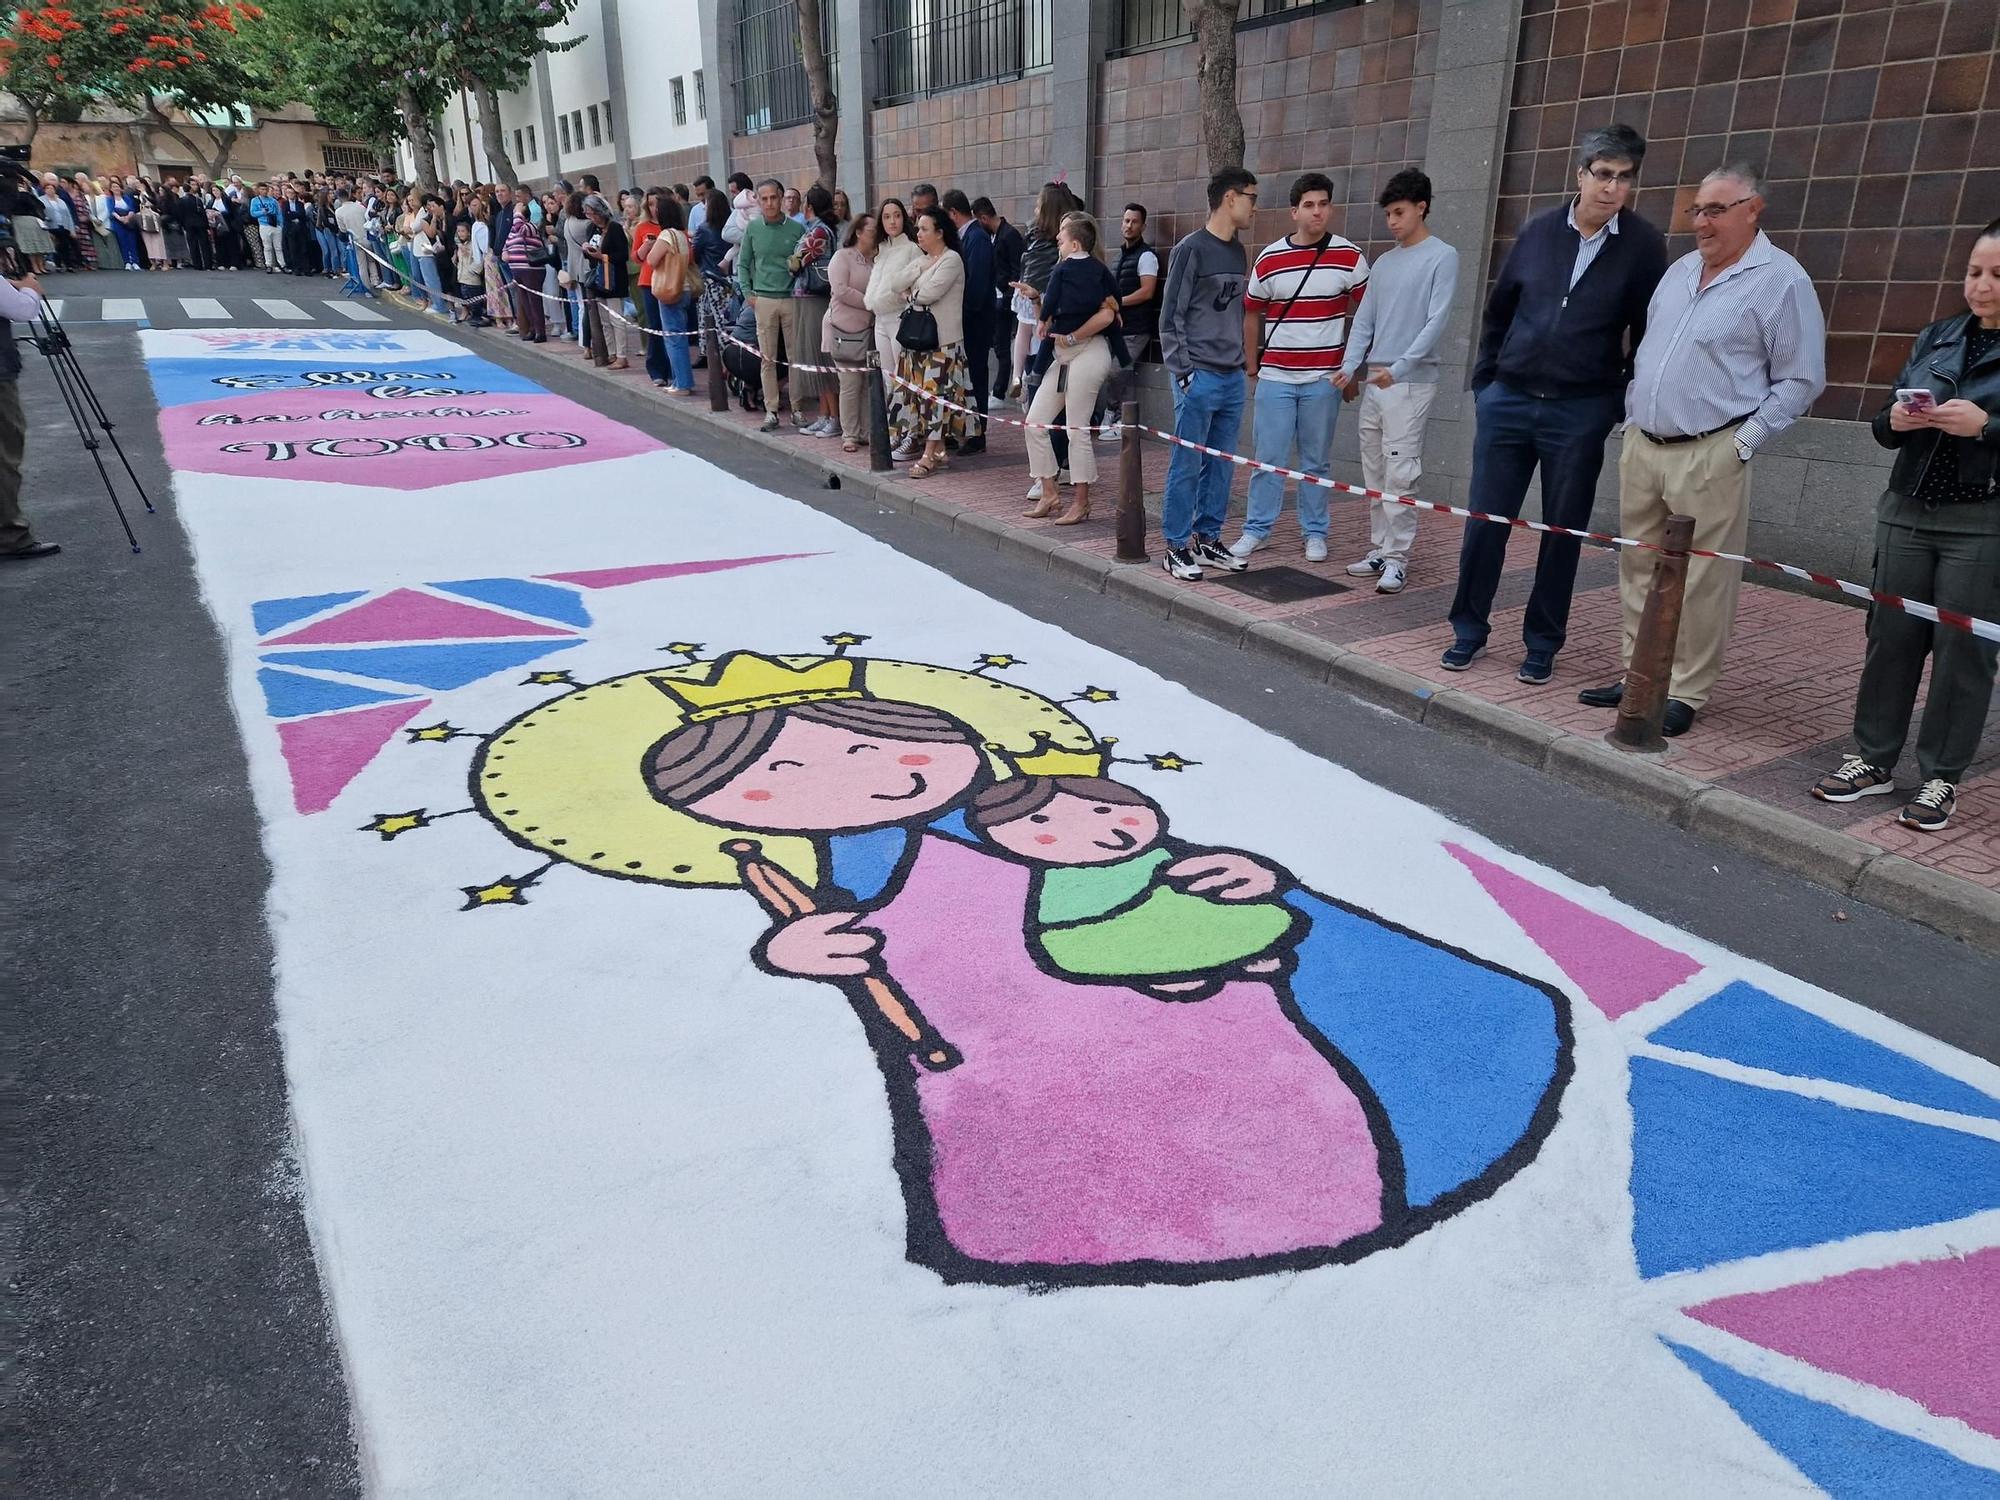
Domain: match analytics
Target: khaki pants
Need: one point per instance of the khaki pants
(1708, 481)
(1392, 460)
(854, 405)
(1086, 365)
(777, 329)
(14, 532)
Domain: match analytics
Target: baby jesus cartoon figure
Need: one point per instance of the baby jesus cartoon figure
(1106, 905)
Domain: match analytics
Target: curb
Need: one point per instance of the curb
(1838, 861)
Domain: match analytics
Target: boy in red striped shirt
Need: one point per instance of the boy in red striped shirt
(1302, 295)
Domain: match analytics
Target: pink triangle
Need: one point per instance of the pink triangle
(1616, 968)
(327, 752)
(1925, 1330)
(406, 615)
(611, 578)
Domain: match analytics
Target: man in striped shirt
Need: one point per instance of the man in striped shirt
(1734, 353)
(1303, 290)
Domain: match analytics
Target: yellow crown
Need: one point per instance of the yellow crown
(744, 682)
(1051, 759)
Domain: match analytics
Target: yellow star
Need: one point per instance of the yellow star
(844, 639)
(1098, 695)
(685, 648)
(1000, 659)
(506, 891)
(391, 824)
(549, 679)
(1170, 761)
(437, 733)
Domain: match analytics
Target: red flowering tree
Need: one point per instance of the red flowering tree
(57, 60)
(205, 62)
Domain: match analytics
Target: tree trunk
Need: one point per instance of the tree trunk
(819, 79)
(225, 147)
(423, 141)
(1214, 23)
(492, 139)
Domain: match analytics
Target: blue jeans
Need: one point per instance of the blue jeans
(426, 267)
(1209, 412)
(579, 326)
(670, 359)
(1289, 414)
(1517, 432)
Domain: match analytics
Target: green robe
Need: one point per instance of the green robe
(1120, 921)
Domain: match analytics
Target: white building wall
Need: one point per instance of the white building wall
(578, 88)
(662, 43)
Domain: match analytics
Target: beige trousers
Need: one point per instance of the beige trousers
(777, 330)
(854, 405)
(1705, 480)
(1088, 366)
(1392, 460)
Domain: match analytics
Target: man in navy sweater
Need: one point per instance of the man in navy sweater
(1555, 356)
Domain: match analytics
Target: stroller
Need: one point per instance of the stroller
(742, 366)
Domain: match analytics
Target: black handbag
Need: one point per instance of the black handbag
(917, 330)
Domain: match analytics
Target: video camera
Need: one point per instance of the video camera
(15, 176)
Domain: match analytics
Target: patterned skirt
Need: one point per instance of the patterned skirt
(941, 372)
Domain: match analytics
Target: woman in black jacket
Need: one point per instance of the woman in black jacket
(1937, 540)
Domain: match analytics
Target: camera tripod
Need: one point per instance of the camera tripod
(85, 410)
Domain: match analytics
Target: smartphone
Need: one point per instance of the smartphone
(1918, 401)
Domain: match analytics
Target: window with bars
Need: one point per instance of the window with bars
(700, 96)
(609, 133)
(596, 135)
(533, 153)
(678, 88)
(934, 45)
(771, 87)
(1154, 23)
(562, 125)
(576, 127)
(349, 158)
(519, 154)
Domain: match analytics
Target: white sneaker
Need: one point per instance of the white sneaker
(1111, 432)
(1369, 567)
(1064, 479)
(1315, 549)
(1245, 544)
(1035, 490)
(1394, 576)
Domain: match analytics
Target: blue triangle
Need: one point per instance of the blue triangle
(1724, 1170)
(1744, 1024)
(524, 596)
(1847, 1457)
(436, 667)
(287, 694)
(269, 614)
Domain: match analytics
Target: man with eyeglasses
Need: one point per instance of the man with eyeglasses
(1734, 353)
(1549, 384)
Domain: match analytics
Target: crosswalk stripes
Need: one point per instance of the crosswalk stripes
(203, 307)
(123, 310)
(277, 307)
(55, 305)
(356, 311)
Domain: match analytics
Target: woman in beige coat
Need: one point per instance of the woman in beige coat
(941, 373)
(850, 324)
(897, 262)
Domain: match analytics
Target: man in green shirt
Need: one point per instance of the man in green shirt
(764, 273)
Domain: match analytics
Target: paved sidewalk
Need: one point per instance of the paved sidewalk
(1779, 719)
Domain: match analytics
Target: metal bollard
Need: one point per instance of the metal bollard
(1644, 705)
(718, 378)
(1131, 487)
(879, 461)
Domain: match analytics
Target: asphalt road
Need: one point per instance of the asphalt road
(171, 1333)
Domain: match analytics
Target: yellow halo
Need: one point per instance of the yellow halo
(567, 777)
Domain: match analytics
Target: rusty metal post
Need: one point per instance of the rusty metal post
(1131, 486)
(879, 461)
(1647, 679)
(718, 378)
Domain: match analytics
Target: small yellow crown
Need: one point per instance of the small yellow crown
(1051, 759)
(744, 682)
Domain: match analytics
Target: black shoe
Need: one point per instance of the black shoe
(33, 549)
(971, 446)
(1679, 719)
(1459, 655)
(1931, 809)
(1537, 667)
(1608, 696)
(1210, 553)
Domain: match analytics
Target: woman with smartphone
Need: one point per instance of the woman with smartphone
(1937, 540)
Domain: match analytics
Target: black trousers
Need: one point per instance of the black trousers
(1003, 351)
(978, 357)
(201, 252)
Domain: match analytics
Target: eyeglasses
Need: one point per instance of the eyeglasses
(1715, 210)
(1246, 193)
(1614, 179)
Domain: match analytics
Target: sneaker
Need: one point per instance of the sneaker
(1246, 544)
(1210, 553)
(1537, 667)
(1063, 479)
(1394, 576)
(1181, 562)
(1315, 549)
(1368, 567)
(770, 422)
(1855, 779)
(1460, 655)
(1930, 810)
(1111, 432)
(1035, 491)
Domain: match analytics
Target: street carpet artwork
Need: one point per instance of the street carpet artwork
(764, 1018)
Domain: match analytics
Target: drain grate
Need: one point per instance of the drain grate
(1280, 585)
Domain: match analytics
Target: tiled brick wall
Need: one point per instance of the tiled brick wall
(784, 154)
(991, 139)
(1346, 92)
(670, 167)
(1878, 121)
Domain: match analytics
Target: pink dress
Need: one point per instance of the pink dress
(1101, 1133)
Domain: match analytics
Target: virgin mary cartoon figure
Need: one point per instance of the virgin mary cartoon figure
(1053, 1127)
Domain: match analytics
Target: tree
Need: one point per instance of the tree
(42, 67)
(488, 46)
(203, 63)
(819, 81)
(1214, 25)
